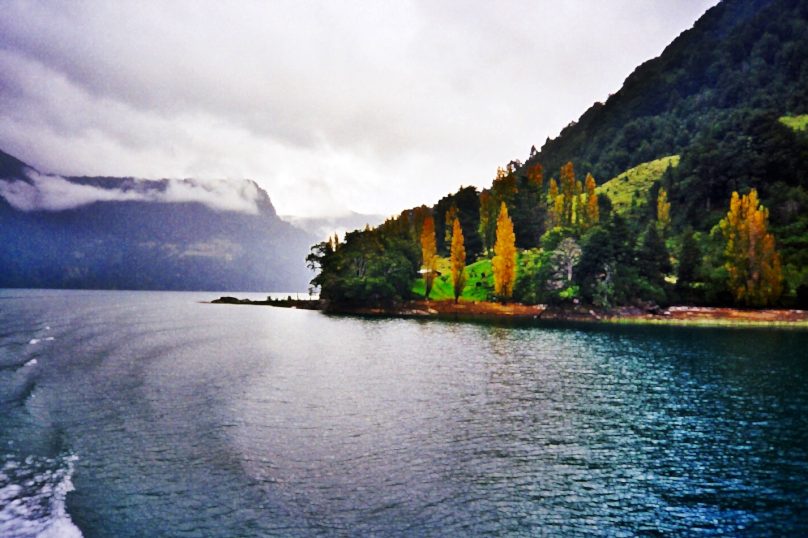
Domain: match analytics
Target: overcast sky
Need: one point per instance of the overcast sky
(330, 106)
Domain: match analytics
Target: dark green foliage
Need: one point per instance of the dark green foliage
(373, 267)
(653, 263)
(528, 212)
(688, 273)
(742, 54)
(606, 273)
(653, 260)
(467, 201)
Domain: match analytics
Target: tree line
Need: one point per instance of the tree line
(557, 241)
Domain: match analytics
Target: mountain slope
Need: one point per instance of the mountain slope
(125, 233)
(741, 55)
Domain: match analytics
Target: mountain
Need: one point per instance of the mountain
(720, 113)
(127, 233)
(715, 96)
(324, 227)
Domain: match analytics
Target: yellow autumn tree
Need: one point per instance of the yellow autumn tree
(448, 221)
(592, 211)
(556, 203)
(429, 253)
(458, 259)
(504, 262)
(663, 209)
(752, 261)
(568, 191)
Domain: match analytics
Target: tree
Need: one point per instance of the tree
(592, 210)
(458, 259)
(487, 220)
(448, 220)
(528, 212)
(568, 191)
(689, 261)
(370, 267)
(653, 263)
(504, 262)
(563, 260)
(751, 259)
(428, 253)
(663, 210)
(556, 203)
(688, 271)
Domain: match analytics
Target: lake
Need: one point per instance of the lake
(152, 414)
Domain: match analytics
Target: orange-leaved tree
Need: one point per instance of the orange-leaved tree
(458, 259)
(752, 261)
(504, 262)
(429, 253)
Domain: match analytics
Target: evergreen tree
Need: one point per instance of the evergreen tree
(689, 266)
(529, 210)
(653, 260)
(488, 219)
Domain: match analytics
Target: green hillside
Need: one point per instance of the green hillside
(631, 187)
(796, 123)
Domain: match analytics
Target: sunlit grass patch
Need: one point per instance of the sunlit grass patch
(634, 184)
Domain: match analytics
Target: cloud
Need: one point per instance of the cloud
(328, 105)
(56, 193)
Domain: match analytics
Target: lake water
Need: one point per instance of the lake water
(150, 414)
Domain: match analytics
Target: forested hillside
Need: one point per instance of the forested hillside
(689, 184)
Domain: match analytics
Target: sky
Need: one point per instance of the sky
(330, 106)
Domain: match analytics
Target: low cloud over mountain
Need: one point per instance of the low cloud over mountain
(56, 193)
(128, 233)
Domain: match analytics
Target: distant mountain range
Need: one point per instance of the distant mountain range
(128, 233)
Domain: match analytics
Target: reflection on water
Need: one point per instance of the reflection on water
(175, 418)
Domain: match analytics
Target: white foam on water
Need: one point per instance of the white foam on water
(50, 338)
(32, 498)
(34, 341)
(32, 362)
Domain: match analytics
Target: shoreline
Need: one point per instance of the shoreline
(681, 315)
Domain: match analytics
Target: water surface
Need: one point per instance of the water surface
(151, 414)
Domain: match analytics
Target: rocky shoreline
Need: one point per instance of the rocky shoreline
(488, 311)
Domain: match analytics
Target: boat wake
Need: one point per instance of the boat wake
(33, 496)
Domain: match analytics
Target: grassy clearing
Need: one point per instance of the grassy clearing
(632, 186)
(479, 279)
(479, 282)
(796, 123)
